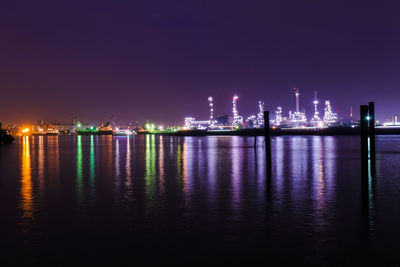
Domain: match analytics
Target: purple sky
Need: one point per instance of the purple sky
(160, 60)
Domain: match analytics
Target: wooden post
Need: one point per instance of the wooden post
(364, 144)
(255, 137)
(267, 136)
(371, 128)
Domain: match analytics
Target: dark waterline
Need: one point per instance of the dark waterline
(154, 199)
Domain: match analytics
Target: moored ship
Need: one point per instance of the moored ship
(104, 129)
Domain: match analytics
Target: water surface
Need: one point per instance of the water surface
(158, 199)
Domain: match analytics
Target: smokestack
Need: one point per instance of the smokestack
(297, 94)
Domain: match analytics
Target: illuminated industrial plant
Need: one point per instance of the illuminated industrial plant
(260, 116)
(329, 116)
(393, 123)
(316, 120)
(278, 117)
(211, 104)
(257, 121)
(297, 118)
(237, 120)
(192, 124)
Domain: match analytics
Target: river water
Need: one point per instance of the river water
(152, 199)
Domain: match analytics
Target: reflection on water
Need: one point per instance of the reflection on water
(161, 170)
(319, 183)
(150, 174)
(128, 163)
(79, 169)
(27, 199)
(92, 166)
(210, 160)
(179, 161)
(41, 162)
(117, 165)
(304, 167)
(187, 167)
(53, 162)
(236, 167)
(189, 187)
(128, 168)
(183, 173)
(280, 163)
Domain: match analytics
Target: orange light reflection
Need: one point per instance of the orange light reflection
(26, 181)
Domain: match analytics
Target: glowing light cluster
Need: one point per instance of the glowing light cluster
(278, 117)
(316, 120)
(295, 119)
(329, 116)
(192, 123)
(211, 104)
(237, 120)
(150, 127)
(257, 121)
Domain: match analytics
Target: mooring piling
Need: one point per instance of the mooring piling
(267, 135)
(367, 136)
(364, 143)
(371, 131)
(255, 137)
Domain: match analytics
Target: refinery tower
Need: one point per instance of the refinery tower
(297, 94)
(297, 118)
(211, 105)
(316, 120)
(237, 120)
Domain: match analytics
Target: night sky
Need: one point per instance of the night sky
(160, 60)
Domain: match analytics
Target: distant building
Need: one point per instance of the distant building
(192, 124)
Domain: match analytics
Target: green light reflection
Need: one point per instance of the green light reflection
(150, 174)
(92, 164)
(179, 162)
(79, 167)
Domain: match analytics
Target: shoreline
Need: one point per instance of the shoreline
(332, 131)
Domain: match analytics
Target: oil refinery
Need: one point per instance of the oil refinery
(295, 119)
